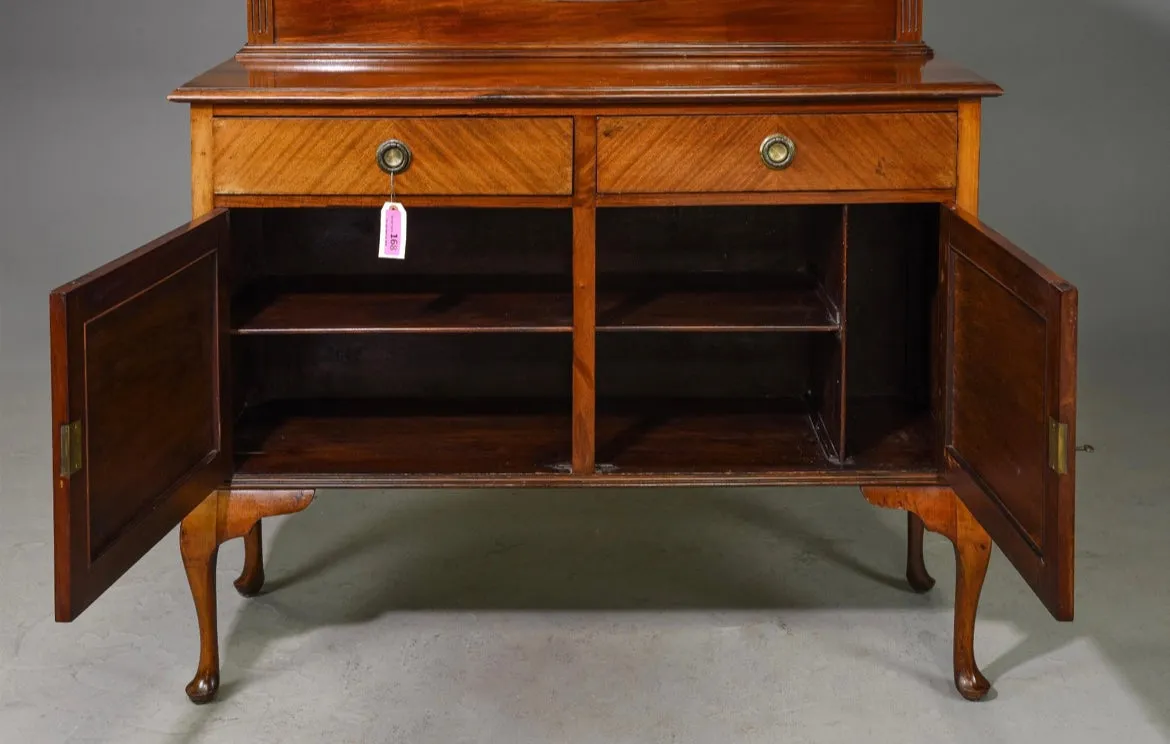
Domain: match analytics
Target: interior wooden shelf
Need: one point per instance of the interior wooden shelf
(332, 306)
(408, 312)
(802, 309)
(635, 436)
(665, 436)
(404, 437)
(887, 434)
(656, 436)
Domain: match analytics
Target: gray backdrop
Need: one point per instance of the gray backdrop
(95, 162)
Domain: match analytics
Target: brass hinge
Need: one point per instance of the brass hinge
(70, 449)
(1058, 446)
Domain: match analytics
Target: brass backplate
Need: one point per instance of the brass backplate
(70, 449)
(1058, 446)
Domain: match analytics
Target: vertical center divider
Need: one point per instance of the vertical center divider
(842, 287)
(584, 293)
(829, 421)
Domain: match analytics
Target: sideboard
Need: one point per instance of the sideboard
(663, 242)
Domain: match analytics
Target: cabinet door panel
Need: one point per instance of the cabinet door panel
(1010, 417)
(138, 364)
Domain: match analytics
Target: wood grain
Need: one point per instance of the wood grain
(1011, 361)
(260, 201)
(917, 576)
(833, 377)
(561, 82)
(137, 354)
(452, 156)
(757, 198)
(584, 296)
(423, 366)
(222, 516)
(262, 21)
(680, 478)
(199, 546)
(251, 579)
(909, 20)
(456, 250)
(941, 511)
(431, 437)
(970, 141)
(492, 108)
(774, 198)
(888, 432)
(646, 438)
(791, 309)
(701, 154)
(357, 312)
(893, 276)
(669, 436)
(447, 23)
(202, 167)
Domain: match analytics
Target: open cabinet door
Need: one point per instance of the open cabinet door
(1010, 412)
(139, 358)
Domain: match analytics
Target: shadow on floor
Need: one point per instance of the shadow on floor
(354, 556)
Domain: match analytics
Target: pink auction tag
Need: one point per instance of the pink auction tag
(392, 243)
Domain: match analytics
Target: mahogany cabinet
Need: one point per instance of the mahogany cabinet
(674, 243)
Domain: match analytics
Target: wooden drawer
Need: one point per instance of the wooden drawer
(833, 152)
(451, 156)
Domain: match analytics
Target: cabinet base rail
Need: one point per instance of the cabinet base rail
(237, 513)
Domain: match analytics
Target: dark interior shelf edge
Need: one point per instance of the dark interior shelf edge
(596, 480)
(480, 312)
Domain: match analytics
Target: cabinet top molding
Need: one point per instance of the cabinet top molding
(566, 81)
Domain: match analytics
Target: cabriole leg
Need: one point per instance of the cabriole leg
(940, 510)
(916, 574)
(972, 556)
(223, 516)
(199, 547)
(251, 579)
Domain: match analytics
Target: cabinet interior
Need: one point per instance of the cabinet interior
(749, 339)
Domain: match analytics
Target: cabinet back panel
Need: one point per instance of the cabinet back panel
(892, 281)
(406, 366)
(731, 240)
(705, 365)
(893, 260)
(344, 242)
(580, 22)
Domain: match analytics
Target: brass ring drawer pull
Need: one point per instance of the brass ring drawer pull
(394, 157)
(777, 151)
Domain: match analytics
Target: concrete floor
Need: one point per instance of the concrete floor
(586, 616)
(623, 616)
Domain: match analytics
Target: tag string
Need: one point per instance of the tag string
(391, 187)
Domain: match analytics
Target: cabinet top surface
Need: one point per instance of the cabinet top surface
(553, 80)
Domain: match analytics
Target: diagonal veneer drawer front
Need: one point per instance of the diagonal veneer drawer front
(804, 152)
(457, 156)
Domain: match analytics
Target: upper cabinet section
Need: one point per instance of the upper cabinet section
(582, 52)
(575, 23)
